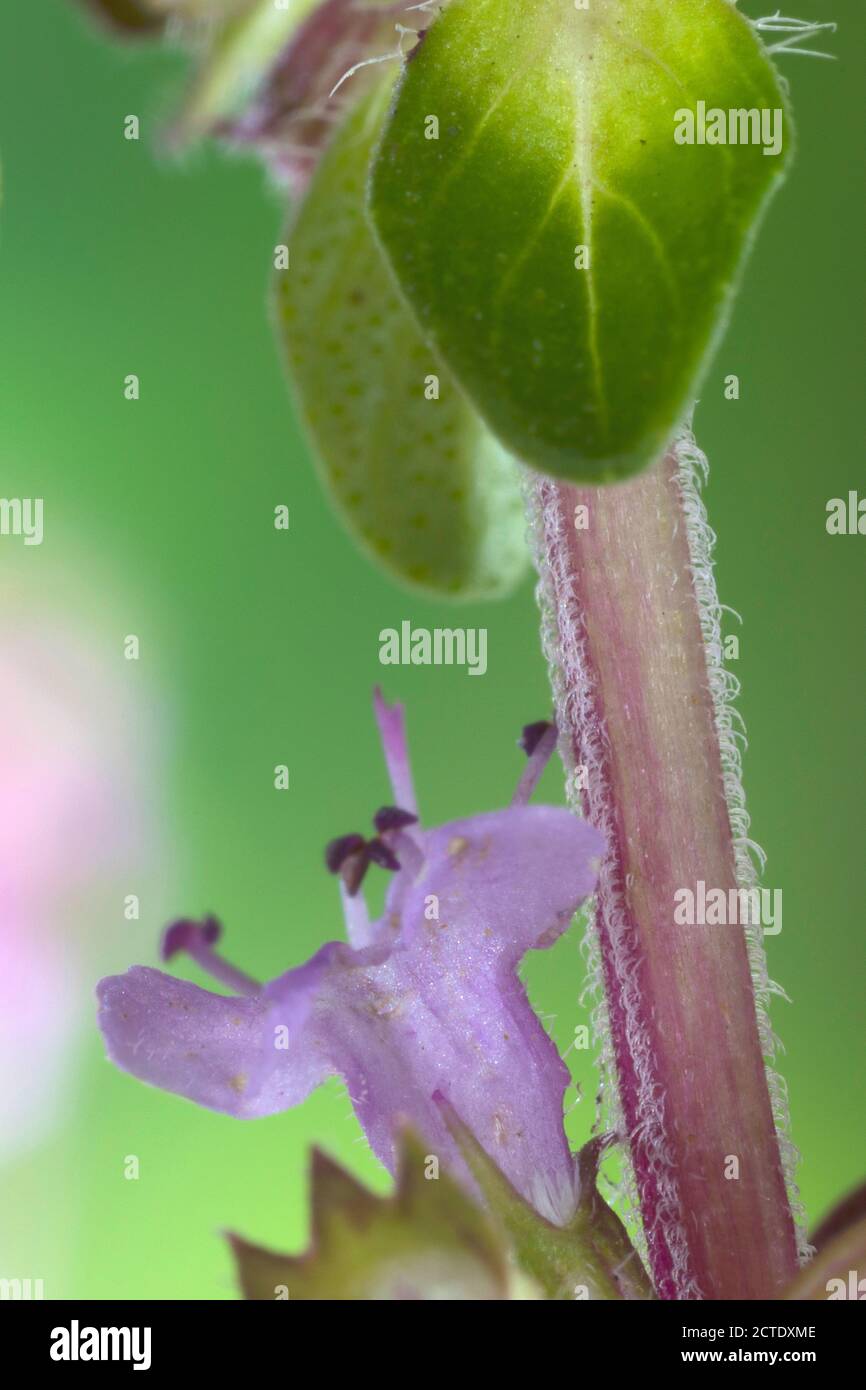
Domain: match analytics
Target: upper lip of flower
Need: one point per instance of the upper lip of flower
(424, 1000)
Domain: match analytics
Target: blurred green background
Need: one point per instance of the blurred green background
(261, 647)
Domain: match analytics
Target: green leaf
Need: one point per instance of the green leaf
(556, 131)
(428, 1241)
(418, 481)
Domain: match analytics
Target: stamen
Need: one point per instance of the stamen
(338, 851)
(351, 855)
(408, 851)
(196, 939)
(392, 818)
(383, 856)
(532, 734)
(354, 868)
(538, 742)
(356, 916)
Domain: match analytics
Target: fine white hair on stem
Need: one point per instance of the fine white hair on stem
(750, 859)
(564, 645)
(795, 32)
(576, 711)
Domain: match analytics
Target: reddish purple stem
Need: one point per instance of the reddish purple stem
(638, 714)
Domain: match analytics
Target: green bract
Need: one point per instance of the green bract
(571, 260)
(428, 1241)
(413, 471)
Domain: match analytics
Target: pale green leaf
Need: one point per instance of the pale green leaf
(522, 132)
(418, 480)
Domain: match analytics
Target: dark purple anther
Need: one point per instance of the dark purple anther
(532, 735)
(392, 818)
(354, 868)
(185, 934)
(351, 855)
(197, 940)
(383, 856)
(338, 851)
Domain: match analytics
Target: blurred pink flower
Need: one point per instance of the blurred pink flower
(70, 820)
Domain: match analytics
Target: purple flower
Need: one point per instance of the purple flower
(424, 1000)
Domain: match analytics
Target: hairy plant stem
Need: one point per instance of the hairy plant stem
(632, 636)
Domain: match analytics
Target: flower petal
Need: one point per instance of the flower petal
(241, 1056)
(445, 1012)
(506, 881)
